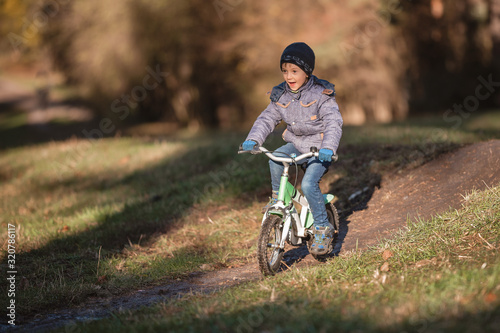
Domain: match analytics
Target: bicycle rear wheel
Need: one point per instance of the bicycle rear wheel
(269, 254)
(333, 218)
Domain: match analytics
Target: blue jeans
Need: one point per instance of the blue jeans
(310, 183)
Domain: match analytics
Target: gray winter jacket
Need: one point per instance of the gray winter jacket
(312, 116)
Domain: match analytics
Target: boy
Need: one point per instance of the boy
(307, 105)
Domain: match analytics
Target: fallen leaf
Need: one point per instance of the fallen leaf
(102, 279)
(64, 229)
(387, 254)
(490, 298)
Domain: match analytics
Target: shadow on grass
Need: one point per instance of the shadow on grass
(15, 131)
(7, 105)
(25, 120)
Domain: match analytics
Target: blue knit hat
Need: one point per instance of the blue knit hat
(299, 54)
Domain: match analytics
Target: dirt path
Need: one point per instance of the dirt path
(430, 189)
(102, 307)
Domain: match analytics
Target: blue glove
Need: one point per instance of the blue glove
(325, 155)
(248, 145)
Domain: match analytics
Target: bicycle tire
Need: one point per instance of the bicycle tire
(333, 217)
(268, 254)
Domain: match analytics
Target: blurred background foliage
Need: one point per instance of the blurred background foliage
(388, 58)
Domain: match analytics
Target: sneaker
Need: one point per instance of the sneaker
(272, 201)
(323, 237)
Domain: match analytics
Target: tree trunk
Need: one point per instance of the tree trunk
(495, 38)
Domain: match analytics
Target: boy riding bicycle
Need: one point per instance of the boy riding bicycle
(308, 106)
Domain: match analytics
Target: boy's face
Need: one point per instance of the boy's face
(294, 76)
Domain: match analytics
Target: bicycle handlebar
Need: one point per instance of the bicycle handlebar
(259, 150)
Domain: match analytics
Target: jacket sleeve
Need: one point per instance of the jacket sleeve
(332, 119)
(264, 124)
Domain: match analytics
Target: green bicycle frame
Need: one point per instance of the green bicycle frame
(286, 191)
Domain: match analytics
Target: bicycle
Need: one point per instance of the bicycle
(283, 218)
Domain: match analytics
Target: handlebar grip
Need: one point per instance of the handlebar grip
(241, 151)
(254, 151)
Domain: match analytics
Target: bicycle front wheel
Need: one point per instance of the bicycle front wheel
(269, 254)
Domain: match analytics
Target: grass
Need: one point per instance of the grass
(122, 213)
(440, 275)
(136, 207)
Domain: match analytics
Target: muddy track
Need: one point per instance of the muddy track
(419, 193)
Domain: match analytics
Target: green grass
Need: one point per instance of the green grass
(443, 275)
(122, 213)
(130, 206)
